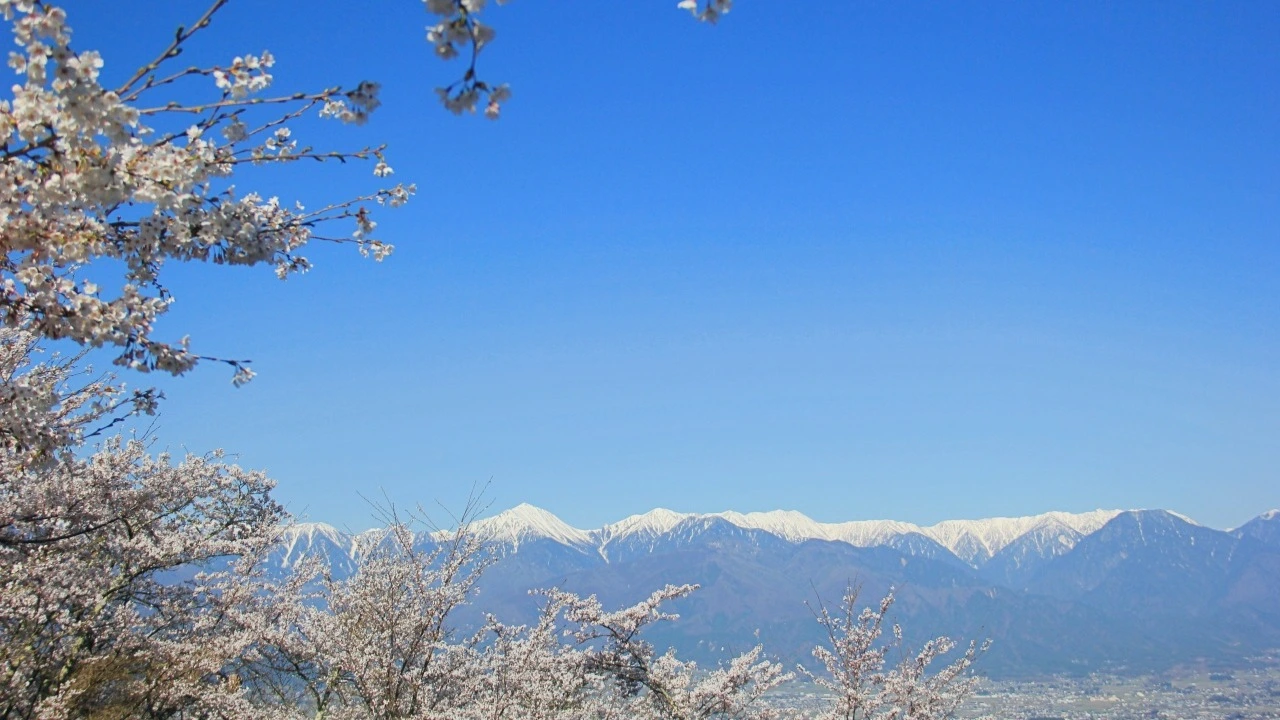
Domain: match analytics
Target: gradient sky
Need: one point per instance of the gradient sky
(857, 259)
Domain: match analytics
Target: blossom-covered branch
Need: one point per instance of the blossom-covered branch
(86, 176)
(861, 684)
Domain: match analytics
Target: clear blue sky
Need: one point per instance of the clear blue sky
(858, 259)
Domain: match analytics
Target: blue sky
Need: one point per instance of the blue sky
(862, 260)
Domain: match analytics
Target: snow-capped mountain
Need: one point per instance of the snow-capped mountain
(639, 532)
(310, 538)
(525, 522)
(1056, 591)
(973, 541)
(976, 541)
(1015, 563)
(1265, 528)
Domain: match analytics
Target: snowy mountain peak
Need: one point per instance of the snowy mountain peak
(1183, 518)
(788, 524)
(1265, 528)
(870, 533)
(1004, 544)
(308, 533)
(525, 522)
(650, 524)
(1270, 515)
(304, 538)
(976, 540)
(1155, 515)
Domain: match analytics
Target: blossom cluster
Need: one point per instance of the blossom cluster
(860, 681)
(43, 414)
(86, 175)
(708, 10)
(456, 29)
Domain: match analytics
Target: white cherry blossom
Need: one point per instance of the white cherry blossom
(87, 176)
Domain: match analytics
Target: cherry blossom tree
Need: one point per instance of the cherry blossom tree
(645, 684)
(377, 644)
(120, 571)
(859, 680)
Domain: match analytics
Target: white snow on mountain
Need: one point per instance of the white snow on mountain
(650, 524)
(525, 522)
(786, 524)
(1183, 518)
(870, 533)
(310, 531)
(1264, 517)
(974, 541)
(299, 539)
(643, 529)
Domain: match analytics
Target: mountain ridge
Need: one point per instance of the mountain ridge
(1144, 590)
(973, 541)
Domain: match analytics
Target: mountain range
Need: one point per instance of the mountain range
(1123, 591)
